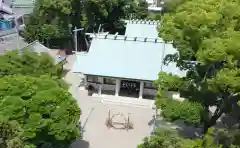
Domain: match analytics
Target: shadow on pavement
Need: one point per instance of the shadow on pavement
(80, 144)
(180, 127)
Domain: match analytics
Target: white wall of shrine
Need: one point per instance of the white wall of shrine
(142, 90)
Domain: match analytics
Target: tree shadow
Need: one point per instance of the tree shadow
(183, 130)
(80, 144)
(151, 122)
(64, 72)
(227, 121)
(192, 132)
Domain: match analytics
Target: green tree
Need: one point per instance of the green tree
(10, 134)
(103, 12)
(154, 16)
(109, 13)
(55, 19)
(189, 111)
(165, 138)
(49, 19)
(141, 11)
(206, 32)
(28, 63)
(171, 5)
(162, 139)
(46, 112)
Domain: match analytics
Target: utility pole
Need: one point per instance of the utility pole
(75, 37)
(99, 28)
(17, 30)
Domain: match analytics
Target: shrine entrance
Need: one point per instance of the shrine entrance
(129, 88)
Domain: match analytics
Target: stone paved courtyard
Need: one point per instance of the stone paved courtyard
(100, 136)
(94, 115)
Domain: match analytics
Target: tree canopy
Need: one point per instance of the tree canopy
(28, 63)
(48, 19)
(164, 138)
(55, 19)
(206, 34)
(171, 5)
(35, 106)
(46, 112)
(141, 10)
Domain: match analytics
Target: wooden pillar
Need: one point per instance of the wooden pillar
(141, 90)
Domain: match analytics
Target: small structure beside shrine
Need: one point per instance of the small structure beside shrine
(58, 56)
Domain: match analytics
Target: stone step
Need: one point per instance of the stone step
(129, 102)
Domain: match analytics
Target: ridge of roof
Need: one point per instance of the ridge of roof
(127, 38)
(141, 21)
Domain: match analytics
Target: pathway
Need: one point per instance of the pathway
(94, 115)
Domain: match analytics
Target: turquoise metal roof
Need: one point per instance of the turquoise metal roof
(171, 67)
(124, 57)
(142, 28)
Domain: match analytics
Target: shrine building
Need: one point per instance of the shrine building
(126, 65)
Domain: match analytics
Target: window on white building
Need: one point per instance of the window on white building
(110, 81)
(92, 78)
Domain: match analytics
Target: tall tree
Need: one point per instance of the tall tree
(55, 19)
(140, 10)
(171, 5)
(206, 34)
(46, 112)
(49, 19)
(108, 13)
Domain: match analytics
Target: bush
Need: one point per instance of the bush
(28, 63)
(47, 112)
(186, 110)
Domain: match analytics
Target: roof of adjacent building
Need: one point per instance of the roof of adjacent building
(5, 8)
(36, 46)
(142, 28)
(21, 7)
(22, 10)
(10, 40)
(126, 57)
(24, 3)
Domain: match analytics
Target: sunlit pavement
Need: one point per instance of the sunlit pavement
(94, 115)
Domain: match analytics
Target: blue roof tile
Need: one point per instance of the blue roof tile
(142, 28)
(126, 57)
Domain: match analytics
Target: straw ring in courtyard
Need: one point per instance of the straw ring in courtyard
(118, 121)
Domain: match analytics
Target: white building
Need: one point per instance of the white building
(154, 5)
(126, 65)
(5, 7)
